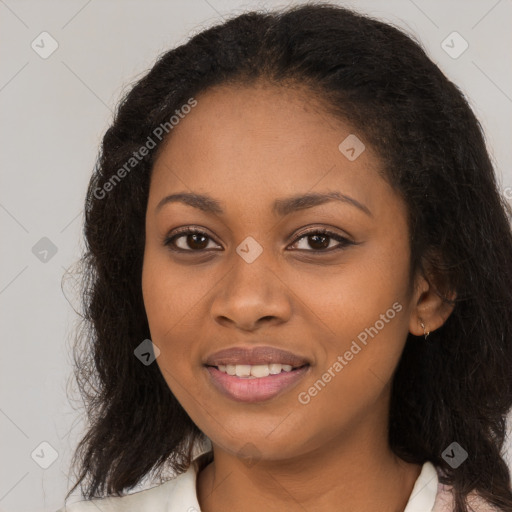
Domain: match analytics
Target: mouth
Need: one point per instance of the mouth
(256, 371)
(255, 383)
(255, 374)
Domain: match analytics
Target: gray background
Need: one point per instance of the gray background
(54, 113)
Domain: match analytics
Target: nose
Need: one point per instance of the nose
(250, 296)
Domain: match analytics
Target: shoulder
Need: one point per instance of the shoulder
(176, 494)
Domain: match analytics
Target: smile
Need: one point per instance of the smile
(255, 383)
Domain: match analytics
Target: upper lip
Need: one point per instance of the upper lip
(255, 355)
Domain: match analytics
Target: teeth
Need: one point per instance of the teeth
(249, 371)
(260, 370)
(274, 368)
(243, 370)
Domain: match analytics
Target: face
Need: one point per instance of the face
(325, 279)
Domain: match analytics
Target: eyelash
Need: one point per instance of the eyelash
(343, 242)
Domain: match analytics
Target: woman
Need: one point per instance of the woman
(298, 283)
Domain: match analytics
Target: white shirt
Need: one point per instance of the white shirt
(179, 495)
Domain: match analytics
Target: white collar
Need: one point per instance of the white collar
(423, 495)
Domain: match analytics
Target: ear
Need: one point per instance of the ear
(428, 307)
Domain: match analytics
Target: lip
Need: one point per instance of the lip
(242, 389)
(255, 355)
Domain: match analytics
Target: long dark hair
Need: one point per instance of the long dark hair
(456, 386)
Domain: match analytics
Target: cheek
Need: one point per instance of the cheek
(157, 296)
(356, 366)
(174, 299)
(170, 294)
(163, 310)
(165, 305)
(362, 310)
(345, 299)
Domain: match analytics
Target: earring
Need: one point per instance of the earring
(425, 333)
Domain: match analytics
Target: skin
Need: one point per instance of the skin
(247, 146)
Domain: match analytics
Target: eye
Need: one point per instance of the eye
(195, 240)
(320, 240)
(188, 240)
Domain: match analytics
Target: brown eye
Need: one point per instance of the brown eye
(318, 242)
(315, 241)
(188, 240)
(321, 241)
(195, 241)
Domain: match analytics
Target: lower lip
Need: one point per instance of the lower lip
(242, 389)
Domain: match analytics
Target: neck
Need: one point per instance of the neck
(357, 472)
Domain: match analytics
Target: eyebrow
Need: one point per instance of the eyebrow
(281, 207)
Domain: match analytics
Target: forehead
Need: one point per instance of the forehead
(253, 142)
